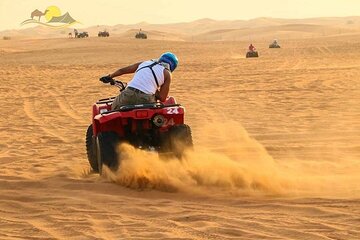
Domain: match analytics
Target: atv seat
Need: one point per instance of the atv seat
(106, 100)
(157, 105)
(126, 108)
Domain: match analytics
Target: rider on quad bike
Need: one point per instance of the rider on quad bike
(143, 115)
(151, 81)
(274, 44)
(252, 53)
(252, 48)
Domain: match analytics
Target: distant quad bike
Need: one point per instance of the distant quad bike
(141, 35)
(153, 127)
(103, 34)
(252, 54)
(82, 35)
(274, 45)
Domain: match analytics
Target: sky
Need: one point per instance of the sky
(112, 12)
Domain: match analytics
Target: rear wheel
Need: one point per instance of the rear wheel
(106, 144)
(180, 139)
(91, 149)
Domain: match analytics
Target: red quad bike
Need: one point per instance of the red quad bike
(252, 54)
(155, 126)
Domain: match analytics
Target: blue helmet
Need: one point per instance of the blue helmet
(170, 59)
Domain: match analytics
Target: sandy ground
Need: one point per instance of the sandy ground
(277, 152)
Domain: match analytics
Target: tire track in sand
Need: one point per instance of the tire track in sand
(66, 107)
(28, 109)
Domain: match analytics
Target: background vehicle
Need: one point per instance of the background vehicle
(82, 35)
(274, 45)
(141, 35)
(252, 54)
(103, 34)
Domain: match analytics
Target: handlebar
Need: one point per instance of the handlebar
(121, 85)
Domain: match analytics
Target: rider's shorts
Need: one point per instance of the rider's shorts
(131, 97)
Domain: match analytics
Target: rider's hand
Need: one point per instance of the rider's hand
(107, 79)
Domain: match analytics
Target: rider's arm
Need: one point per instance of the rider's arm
(125, 70)
(165, 88)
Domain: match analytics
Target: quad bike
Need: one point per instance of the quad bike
(155, 126)
(103, 34)
(82, 35)
(252, 54)
(141, 35)
(274, 45)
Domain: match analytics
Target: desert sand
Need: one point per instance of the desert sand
(276, 156)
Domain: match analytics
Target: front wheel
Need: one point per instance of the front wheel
(106, 150)
(91, 149)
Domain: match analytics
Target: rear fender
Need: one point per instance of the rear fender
(170, 101)
(173, 116)
(100, 108)
(109, 122)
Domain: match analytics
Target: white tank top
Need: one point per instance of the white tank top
(144, 81)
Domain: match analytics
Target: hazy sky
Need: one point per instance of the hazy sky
(111, 12)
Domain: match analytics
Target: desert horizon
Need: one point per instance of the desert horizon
(276, 139)
(207, 29)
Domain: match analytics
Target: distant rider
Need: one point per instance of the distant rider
(151, 81)
(76, 33)
(252, 48)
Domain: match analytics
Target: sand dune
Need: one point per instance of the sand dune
(289, 31)
(276, 142)
(213, 30)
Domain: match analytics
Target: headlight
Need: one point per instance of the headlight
(159, 120)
